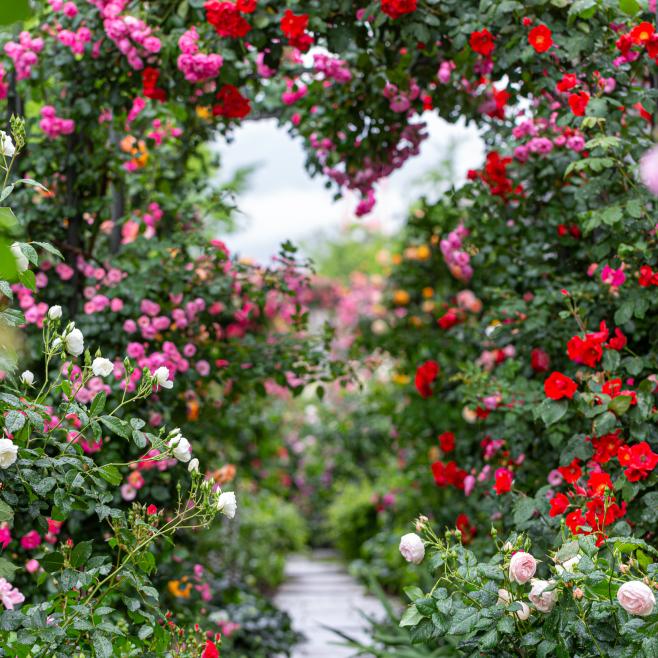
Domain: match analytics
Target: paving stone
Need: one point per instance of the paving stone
(319, 594)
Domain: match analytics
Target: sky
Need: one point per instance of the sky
(283, 202)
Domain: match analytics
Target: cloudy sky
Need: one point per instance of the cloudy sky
(283, 202)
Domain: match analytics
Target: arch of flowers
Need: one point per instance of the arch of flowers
(526, 301)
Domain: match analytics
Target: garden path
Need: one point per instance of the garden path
(318, 592)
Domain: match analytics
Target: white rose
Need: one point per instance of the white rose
(22, 263)
(193, 466)
(505, 598)
(74, 342)
(102, 367)
(162, 377)
(524, 612)
(181, 448)
(55, 312)
(27, 378)
(636, 598)
(227, 504)
(7, 147)
(8, 453)
(543, 601)
(412, 548)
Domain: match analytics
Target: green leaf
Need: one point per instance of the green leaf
(81, 553)
(411, 617)
(52, 562)
(550, 411)
(102, 645)
(98, 403)
(7, 569)
(117, 426)
(413, 593)
(6, 512)
(14, 421)
(605, 423)
(16, 10)
(524, 508)
(50, 249)
(111, 474)
(620, 404)
(630, 7)
(568, 550)
(634, 365)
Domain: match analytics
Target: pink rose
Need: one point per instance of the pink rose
(522, 567)
(412, 548)
(542, 600)
(636, 598)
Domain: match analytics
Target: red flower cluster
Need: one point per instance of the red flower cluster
(589, 350)
(447, 441)
(226, 17)
(573, 230)
(569, 81)
(231, 103)
(425, 376)
(448, 474)
(559, 386)
(495, 176)
(450, 318)
(397, 8)
(639, 460)
(606, 447)
(643, 35)
(150, 87)
(294, 27)
(578, 102)
(648, 277)
(482, 42)
(540, 38)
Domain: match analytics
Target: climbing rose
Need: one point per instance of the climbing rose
(559, 386)
(232, 104)
(540, 38)
(578, 102)
(397, 8)
(504, 479)
(542, 600)
(588, 350)
(293, 25)
(482, 42)
(636, 598)
(412, 548)
(572, 472)
(522, 567)
(559, 504)
(642, 33)
(425, 376)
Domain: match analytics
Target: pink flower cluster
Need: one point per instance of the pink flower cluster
(457, 260)
(196, 66)
(76, 41)
(136, 109)
(332, 68)
(364, 178)
(69, 9)
(4, 86)
(161, 131)
(295, 91)
(53, 125)
(545, 135)
(445, 71)
(132, 36)
(400, 101)
(34, 312)
(24, 54)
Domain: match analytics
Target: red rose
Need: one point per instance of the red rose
(559, 386)
(578, 102)
(463, 524)
(448, 474)
(569, 81)
(639, 461)
(150, 89)
(293, 25)
(425, 376)
(397, 8)
(225, 18)
(232, 104)
(151, 510)
(648, 277)
(482, 42)
(574, 521)
(572, 472)
(504, 479)
(540, 38)
(559, 504)
(210, 650)
(447, 441)
(606, 447)
(449, 319)
(246, 6)
(588, 350)
(539, 360)
(618, 342)
(642, 33)
(598, 484)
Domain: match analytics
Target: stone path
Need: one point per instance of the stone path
(319, 592)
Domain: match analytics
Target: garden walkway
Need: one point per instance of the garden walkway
(318, 592)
